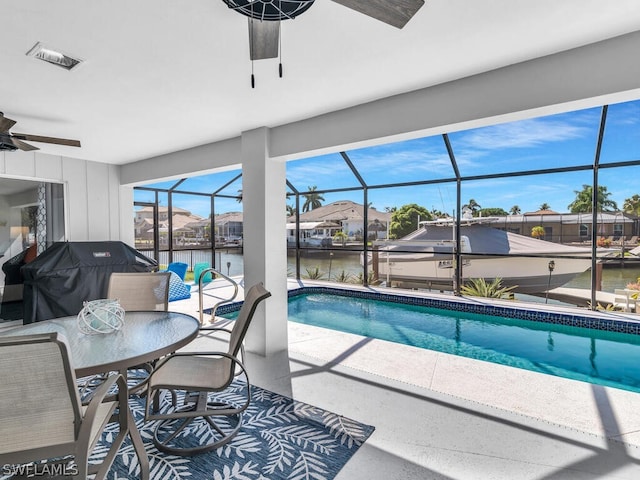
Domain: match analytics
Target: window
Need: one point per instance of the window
(618, 230)
(584, 231)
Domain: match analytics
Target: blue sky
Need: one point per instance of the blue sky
(567, 139)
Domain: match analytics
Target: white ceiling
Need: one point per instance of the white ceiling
(164, 75)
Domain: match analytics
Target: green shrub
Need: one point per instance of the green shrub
(314, 273)
(359, 279)
(343, 277)
(479, 287)
(537, 232)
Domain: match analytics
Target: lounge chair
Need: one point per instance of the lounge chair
(197, 374)
(179, 268)
(198, 268)
(178, 290)
(624, 300)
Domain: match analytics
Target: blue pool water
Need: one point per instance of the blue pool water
(596, 356)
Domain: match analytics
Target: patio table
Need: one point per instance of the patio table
(145, 336)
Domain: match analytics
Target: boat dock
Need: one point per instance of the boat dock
(581, 296)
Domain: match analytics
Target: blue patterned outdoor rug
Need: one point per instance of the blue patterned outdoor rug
(280, 438)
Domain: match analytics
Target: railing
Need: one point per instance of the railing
(227, 257)
(221, 302)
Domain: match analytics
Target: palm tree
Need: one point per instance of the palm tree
(584, 200)
(312, 200)
(435, 213)
(341, 237)
(239, 199)
(473, 206)
(291, 210)
(515, 210)
(545, 206)
(632, 205)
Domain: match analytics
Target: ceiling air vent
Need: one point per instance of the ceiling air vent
(54, 57)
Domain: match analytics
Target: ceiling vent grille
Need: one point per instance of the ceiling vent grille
(54, 57)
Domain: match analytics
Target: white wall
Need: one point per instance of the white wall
(95, 206)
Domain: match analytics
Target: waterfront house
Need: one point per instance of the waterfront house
(571, 227)
(345, 216)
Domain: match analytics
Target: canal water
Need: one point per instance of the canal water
(332, 266)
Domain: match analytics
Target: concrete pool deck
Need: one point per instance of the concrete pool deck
(440, 416)
(598, 410)
(608, 412)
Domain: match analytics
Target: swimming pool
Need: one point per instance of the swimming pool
(544, 345)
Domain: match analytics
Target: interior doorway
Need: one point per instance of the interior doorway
(31, 219)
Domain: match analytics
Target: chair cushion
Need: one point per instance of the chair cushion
(178, 290)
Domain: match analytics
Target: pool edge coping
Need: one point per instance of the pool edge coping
(597, 320)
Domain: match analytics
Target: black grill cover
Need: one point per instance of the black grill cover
(67, 274)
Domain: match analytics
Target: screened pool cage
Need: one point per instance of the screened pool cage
(399, 247)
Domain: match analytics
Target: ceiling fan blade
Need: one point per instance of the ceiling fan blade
(22, 145)
(263, 39)
(6, 123)
(38, 138)
(393, 12)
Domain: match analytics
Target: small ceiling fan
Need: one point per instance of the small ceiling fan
(14, 141)
(265, 17)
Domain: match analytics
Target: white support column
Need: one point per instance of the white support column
(265, 246)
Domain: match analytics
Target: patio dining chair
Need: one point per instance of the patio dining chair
(41, 416)
(139, 291)
(198, 374)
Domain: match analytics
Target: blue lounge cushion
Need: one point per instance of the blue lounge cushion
(179, 268)
(197, 270)
(178, 290)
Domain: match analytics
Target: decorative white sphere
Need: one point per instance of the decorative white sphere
(101, 316)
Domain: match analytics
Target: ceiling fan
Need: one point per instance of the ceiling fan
(265, 17)
(11, 142)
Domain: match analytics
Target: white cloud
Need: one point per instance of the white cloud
(523, 134)
(324, 172)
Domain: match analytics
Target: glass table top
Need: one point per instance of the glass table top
(145, 336)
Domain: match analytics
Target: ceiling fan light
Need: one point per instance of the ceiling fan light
(54, 57)
(270, 10)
